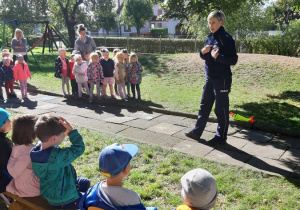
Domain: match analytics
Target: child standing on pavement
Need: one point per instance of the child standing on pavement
(22, 73)
(219, 53)
(95, 75)
(8, 77)
(134, 72)
(108, 66)
(126, 62)
(62, 70)
(120, 74)
(72, 76)
(80, 72)
(114, 59)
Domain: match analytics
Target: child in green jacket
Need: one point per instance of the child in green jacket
(58, 180)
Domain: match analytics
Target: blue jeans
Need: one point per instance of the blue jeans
(215, 91)
(82, 184)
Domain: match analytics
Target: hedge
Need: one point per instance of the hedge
(156, 32)
(275, 45)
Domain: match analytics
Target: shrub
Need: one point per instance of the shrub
(157, 32)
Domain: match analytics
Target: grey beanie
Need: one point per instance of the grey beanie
(5, 59)
(199, 189)
(20, 56)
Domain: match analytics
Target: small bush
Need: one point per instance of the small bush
(156, 32)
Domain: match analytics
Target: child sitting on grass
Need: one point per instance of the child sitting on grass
(114, 164)
(5, 149)
(24, 182)
(58, 180)
(134, 72)
(95, 75)
(199, 190)
(120, 74)
(8, 77)
(80, 72)
(22, 73)
(62, 70)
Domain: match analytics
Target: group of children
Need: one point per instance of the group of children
(45, 169)
(98, 69)
(11, 72)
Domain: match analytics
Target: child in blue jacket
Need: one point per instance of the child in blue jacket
(219, 53)
(114, 164)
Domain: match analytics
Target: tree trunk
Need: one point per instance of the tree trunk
(107, 32)
(138, 31)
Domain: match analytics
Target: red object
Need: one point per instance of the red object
(72, 76)
(252, 119)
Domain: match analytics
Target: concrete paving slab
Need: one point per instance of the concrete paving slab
(166, 128)
(141, 123)
(274, 167)
(270, 151)
(291, 155)
(118, 120)
(193, 148)
(144, 115)
(286, 140)
(150, 137)
(169, 119)
(233, 143)
(48, 106)
(229, 157)
(254, 135)
(231, 129)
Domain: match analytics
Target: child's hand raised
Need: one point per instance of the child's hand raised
(66, 124)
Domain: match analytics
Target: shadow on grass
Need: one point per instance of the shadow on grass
(293, 95)
(153, 64)
(281, 114)
(256, 162)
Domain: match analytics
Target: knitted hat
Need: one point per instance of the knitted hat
(20, 56)
(199, 189)
(5, 52)
(5, 60)
(4, 116)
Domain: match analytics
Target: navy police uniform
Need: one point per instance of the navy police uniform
(218, 83)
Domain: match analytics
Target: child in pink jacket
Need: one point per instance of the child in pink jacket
(21, 73)
(24, 182)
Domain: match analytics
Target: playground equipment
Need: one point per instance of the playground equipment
(51, 33)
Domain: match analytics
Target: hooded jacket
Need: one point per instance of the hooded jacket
(96, 197)
(5, 151)
(24, 182)
(220, 68)
(53, 167)
(21, 72)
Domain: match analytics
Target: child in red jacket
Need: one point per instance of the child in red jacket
(21, 73)
(72, 76)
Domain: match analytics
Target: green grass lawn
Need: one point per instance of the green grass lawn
(266, 89)
(156, 174)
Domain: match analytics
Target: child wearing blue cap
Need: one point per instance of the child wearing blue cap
(114, 164)
(5, 149)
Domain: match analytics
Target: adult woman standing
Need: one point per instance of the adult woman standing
(84, 43)
(19, 45)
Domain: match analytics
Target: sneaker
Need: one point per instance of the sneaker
(13, 95)
(216, 141)
(117, 94)
(105, 96)
(1, 99)
(113, 97)
(192, 135)
(9, 95)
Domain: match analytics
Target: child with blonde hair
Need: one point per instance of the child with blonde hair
(95, 75)
(62, 70)
(114, 59)
(126, 62)
(80, 72)
(120, 74)
(134, 71)
(24, 182)
(21, 74)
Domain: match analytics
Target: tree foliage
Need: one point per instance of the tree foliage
(105, 16)
(136, 13)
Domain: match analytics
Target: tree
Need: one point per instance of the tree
(105, 17)
(136, 13)
(284, 11)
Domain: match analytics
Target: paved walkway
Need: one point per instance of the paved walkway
(246, 148)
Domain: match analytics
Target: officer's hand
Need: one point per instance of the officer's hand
(206, 49)
(215, 53)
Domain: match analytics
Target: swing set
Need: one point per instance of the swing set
(50, 35)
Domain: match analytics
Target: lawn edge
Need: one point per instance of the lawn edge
(256, 126)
